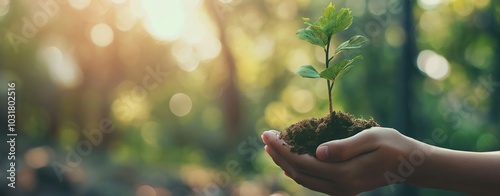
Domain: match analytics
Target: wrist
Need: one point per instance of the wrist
(420, 162)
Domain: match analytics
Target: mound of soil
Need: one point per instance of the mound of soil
(306, 135)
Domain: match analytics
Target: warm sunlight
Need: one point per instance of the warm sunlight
(165, 20)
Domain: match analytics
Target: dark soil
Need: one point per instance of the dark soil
(306, 135)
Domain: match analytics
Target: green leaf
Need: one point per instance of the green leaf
(338, 69)
(334, 21)
(308, 21)
(357, 41)
(313, 35)
(307, 71)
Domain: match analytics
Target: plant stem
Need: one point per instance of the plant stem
(329, 87)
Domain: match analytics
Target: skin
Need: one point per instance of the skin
(380, 156)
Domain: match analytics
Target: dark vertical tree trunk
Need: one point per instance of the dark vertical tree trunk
(405, 74)
(494, 30)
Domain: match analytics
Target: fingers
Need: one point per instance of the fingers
(345, 149)
(301, 163)
(303, 179)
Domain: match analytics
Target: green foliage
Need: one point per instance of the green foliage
(355, 42)
(320, 33)
(313, 35)
(333, 22)
(308, 71)
(338, 69)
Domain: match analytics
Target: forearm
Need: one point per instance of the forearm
(469, 172)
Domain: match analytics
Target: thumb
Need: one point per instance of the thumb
(345, 149)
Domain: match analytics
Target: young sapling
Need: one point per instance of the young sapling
(304, 136)
(320, 33)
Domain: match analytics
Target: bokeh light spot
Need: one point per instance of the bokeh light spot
(277, 115)
(297, 58)
(358, 7)
(433, 65)
(4, 7)
(101, 35)
(79, 4)
(487, 142)
(185, 56)
(125, 19)
(62, 67)
(429, 4)
(302, 101)
(463, 7)
(145, 190)
(395, 36)
(180, 104)
(37, 157)
(149, 132)
(481, 3)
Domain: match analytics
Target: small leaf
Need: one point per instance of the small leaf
(338, 69)
(308, 71)
(334, 21)
(308, 21)
(357, 41)
(311, 35)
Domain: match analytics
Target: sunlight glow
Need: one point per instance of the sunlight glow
(165, 20)
(433, 65)
(118, 1)
(180, 104)
(125, 19)
(101, 35)
(131, 104)
(62, 67)
(4, 7)
(185, 55)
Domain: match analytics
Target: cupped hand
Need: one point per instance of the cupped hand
(343, 167)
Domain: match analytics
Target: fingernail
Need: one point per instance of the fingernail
(322, 152)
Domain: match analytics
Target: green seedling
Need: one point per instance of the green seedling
(320, 33)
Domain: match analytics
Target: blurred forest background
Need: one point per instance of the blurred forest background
(169, 97)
